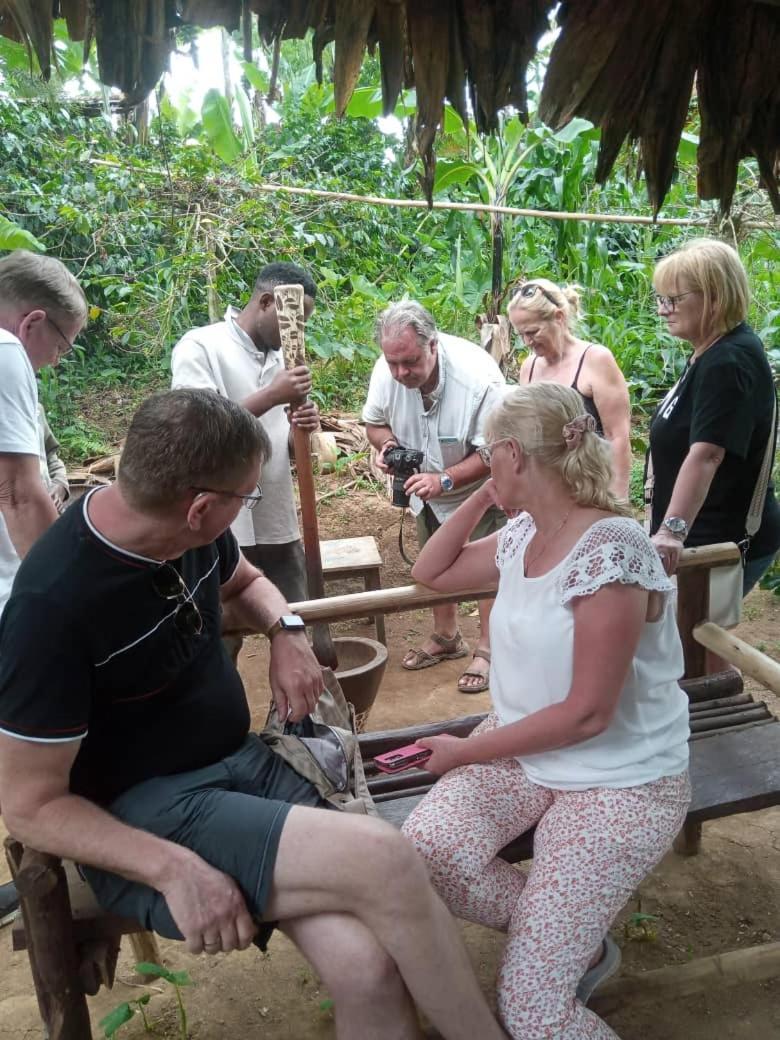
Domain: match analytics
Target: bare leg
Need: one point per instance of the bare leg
(479, 664)
(369, 997)
(334, 863)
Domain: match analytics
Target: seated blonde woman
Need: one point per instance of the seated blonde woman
(544, 316)
(588, 737)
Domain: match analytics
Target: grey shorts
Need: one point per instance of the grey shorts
(428, 523)
(231, 814)
(284, 565)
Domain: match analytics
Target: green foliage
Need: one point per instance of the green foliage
(127, 1010)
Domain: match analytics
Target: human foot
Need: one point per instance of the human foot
(435, 650)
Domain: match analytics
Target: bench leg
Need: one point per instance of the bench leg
(688, 841)
(373, 583)
(43, 894)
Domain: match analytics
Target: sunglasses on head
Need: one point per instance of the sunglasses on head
(169, 584)
(525, 292)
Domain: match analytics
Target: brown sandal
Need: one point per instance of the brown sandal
(452, 649)
(484, 683)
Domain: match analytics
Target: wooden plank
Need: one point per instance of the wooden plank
(722, 722)
(706, 974)
(735, 772)
(350, 554)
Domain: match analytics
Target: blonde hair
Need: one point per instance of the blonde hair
(30, 280)
(534, 416)
(715, 270)
(566, 298)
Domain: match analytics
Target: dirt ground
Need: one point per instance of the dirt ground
(726, 898)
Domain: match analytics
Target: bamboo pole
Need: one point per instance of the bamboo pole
(682, 980)
(469, 207)
(739, 653)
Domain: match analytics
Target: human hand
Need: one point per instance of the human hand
(58, 494)
(290, 385)
(208, 907)
(389, 444)
(295, 675)
(669, 549)
(425, 485)
(305, 417)
(448, 752)
(488, 495)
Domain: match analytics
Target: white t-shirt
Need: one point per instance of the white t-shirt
(470, 385)
(18, 434)
(222, 357)
(532, 645)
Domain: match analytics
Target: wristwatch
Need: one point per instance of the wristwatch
(447, 483)
(677, 526)
(286, 623)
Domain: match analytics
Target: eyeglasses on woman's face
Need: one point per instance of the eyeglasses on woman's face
(669, 303)
(530, 289)
(486, 451)
(250, 501)
(169, 584)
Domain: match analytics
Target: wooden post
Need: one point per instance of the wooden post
(289, 313)
(43, 894)
(145, 948)
(693, 605)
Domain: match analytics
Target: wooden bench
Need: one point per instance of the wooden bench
(735, 768)
(355, 558)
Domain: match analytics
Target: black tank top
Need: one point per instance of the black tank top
(588, 402)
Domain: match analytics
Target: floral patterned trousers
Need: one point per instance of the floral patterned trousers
(591, 849)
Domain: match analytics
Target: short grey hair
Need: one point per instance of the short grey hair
(407, 314)
(184, 439)
(31, 280)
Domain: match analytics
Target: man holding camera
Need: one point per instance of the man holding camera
(430, 393)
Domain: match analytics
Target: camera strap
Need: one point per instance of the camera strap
(404, 557)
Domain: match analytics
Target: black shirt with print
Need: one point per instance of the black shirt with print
(725, 397)
(89, 650)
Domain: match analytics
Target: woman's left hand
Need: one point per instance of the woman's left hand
(448, 752)
(669, 549)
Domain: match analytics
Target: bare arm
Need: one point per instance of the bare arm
(607, 628)
(690, 490)
(252, 603)
(448, 562)
(26, 507)
(610, 395)
(40, 811)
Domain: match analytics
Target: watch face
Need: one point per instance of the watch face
(676, 525)
(292, 621)
(447, 483)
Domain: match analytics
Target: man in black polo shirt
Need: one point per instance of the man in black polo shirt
(125, 743)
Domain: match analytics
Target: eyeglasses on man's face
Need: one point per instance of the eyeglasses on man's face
(669, 303)
(532, 288)
(250, 501)
(169, 584)
(68, 345)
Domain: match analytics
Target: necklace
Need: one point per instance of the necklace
(545, 543)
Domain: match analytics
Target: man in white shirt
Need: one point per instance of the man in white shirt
(431, 392)
(42, 310)
(241, 358)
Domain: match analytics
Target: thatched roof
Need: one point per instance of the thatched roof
(629, 66)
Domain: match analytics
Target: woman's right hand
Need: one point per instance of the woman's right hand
(489, 495)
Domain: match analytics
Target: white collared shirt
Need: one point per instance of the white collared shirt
(222, 357)
(470, 385)
(18, 433)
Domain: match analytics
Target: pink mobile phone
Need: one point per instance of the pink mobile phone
(402, 758)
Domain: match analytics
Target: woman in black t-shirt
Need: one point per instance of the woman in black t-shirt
(709, 435)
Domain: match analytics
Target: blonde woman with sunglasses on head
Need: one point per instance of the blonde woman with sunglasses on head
(544, 316)
(588, 738)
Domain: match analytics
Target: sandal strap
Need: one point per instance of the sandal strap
(448, 645)
(484, 654)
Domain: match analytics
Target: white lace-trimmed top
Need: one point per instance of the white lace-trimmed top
(532, 643)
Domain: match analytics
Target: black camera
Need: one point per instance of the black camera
(403, 462)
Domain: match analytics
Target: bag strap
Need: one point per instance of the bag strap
(753, 521)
